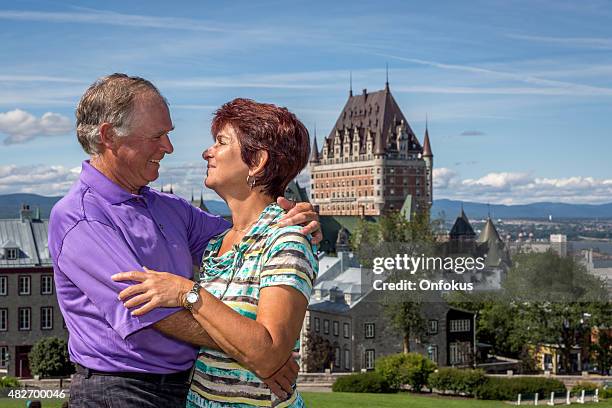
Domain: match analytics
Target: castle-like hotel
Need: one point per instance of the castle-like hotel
(371, 162)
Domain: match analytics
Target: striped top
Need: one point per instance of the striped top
(268, 255)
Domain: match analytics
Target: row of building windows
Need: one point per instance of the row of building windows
(363, 172)
(458, 326)
(24, 285)
(24, 318)
(347, 207)
(346, 328)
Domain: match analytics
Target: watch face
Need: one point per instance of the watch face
(192, 297)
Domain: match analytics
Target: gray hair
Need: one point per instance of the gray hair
(109, 100)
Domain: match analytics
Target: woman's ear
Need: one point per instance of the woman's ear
(260, 162)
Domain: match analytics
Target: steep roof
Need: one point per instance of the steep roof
(30, 236)
(489, 233)
(426, 145)
(462, 227)
(296, 193)
(377, 111)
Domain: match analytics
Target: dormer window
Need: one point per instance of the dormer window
(12, 253)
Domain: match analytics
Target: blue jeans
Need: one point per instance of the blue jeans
(105, 391)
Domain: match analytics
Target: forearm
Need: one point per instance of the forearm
(182, 326)
(259, 351)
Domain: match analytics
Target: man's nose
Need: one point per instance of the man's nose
(167, 144)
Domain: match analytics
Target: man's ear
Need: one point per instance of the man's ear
(260, 162)
(107, 136)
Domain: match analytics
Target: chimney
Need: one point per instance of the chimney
(25, 214)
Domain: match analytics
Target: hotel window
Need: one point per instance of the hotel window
(458, 326)
(317, 324)
(3, 285)
(4, 356)
(25, 284)
(369, 359)
(369, 330)
(337, 357)
(433, 327)
(336, 328)
(347, 359)
(3, 319)
(46, 284)
(325, 326)
(346, 330)
(25, 318)
(46, 318)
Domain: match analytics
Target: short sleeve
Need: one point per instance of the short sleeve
(90, 254)
(289, 260)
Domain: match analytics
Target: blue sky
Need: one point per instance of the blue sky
(518, 93)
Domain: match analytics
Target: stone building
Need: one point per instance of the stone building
(28, 303)
(346, 311)
(371, 162)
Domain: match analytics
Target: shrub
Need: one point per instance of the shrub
(364, 382)
(9, 382)
(605, 393)
(49, 357)
(507, 389)
(399, 369)
(457, 381)
(589, 387)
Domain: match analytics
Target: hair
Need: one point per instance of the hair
(263, 126)
(109, 100)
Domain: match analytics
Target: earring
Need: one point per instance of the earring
(250, 180)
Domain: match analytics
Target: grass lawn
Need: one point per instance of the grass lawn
(405, 400)
(348, 400)
(21, 403)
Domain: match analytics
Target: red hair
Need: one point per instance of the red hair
(263, 126)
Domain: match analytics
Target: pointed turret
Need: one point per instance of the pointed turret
(462, 229)
(314, 154)
(171, 191)
(489, 233)
(426, 144)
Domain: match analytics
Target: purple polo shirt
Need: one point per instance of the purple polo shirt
(99, 229)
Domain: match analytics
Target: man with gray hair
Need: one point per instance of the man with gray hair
(111, 222)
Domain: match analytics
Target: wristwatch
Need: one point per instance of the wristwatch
(192, 296)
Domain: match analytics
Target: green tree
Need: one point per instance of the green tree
(558, 301)
(320, 353)
(49, 358)
(390, 235)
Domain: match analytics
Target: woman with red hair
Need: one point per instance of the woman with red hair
(256, 277)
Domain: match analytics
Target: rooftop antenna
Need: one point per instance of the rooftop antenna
(350, 83)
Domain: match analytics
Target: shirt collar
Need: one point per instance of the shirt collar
(105, 187)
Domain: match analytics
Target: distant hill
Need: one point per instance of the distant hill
(10, 205)
(452, 208)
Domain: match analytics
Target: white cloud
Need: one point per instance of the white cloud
(443, 177)
(21, 126)
(521, 188)
(37, 179)
(89, 16)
